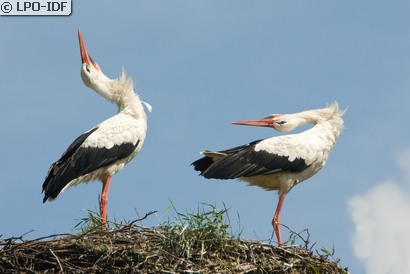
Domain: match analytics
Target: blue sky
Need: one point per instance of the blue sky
(201, 65)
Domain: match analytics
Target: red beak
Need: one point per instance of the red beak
(85, 58)
(264, 122)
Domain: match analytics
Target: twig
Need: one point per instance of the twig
(51, 236)
(143, 218)
(307, 241)
(11, 240)
(58, 261)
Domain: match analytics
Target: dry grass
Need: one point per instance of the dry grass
(196, 243)
(147, 250)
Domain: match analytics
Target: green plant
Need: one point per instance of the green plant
(91, 223)
(207, 229)
(326, 253)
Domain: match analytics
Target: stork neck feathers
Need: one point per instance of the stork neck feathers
(316, 116)
(124, 95)
(119, 91)
(327, 119)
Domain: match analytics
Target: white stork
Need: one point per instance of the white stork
(278, 163)
(106, 148)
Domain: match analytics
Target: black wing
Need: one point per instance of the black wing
(204, 163)
(245, 161)
(77, 161)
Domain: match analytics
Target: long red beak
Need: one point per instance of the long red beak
(264, 122)
(85, 58)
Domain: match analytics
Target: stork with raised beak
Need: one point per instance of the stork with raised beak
(105, 149)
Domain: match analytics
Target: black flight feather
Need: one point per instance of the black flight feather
(244, 161)
(78, 161)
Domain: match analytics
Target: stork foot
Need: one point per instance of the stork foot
(276, 229)
(276, 218)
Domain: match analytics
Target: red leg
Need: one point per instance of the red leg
(276, 218)
(104, 201)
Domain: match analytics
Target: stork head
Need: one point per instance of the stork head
(89, 69)
(280, 122)
(92, 75)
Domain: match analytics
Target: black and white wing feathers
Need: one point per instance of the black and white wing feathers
(245, 161)
(79, 160)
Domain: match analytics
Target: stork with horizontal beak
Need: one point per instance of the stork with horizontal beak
(278, 163)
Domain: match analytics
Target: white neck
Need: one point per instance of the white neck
(119, 91)
(328, 121)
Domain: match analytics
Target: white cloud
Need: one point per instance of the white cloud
(382, 224)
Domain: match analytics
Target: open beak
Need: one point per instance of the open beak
(85, 58)
(264, 122)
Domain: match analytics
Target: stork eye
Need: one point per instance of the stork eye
(87, 68)
(281, 122)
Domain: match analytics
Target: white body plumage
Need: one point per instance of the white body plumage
(281, 162)
(107, 148)
(118, 130)
(312, 146)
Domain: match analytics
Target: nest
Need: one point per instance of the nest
(135, 249)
